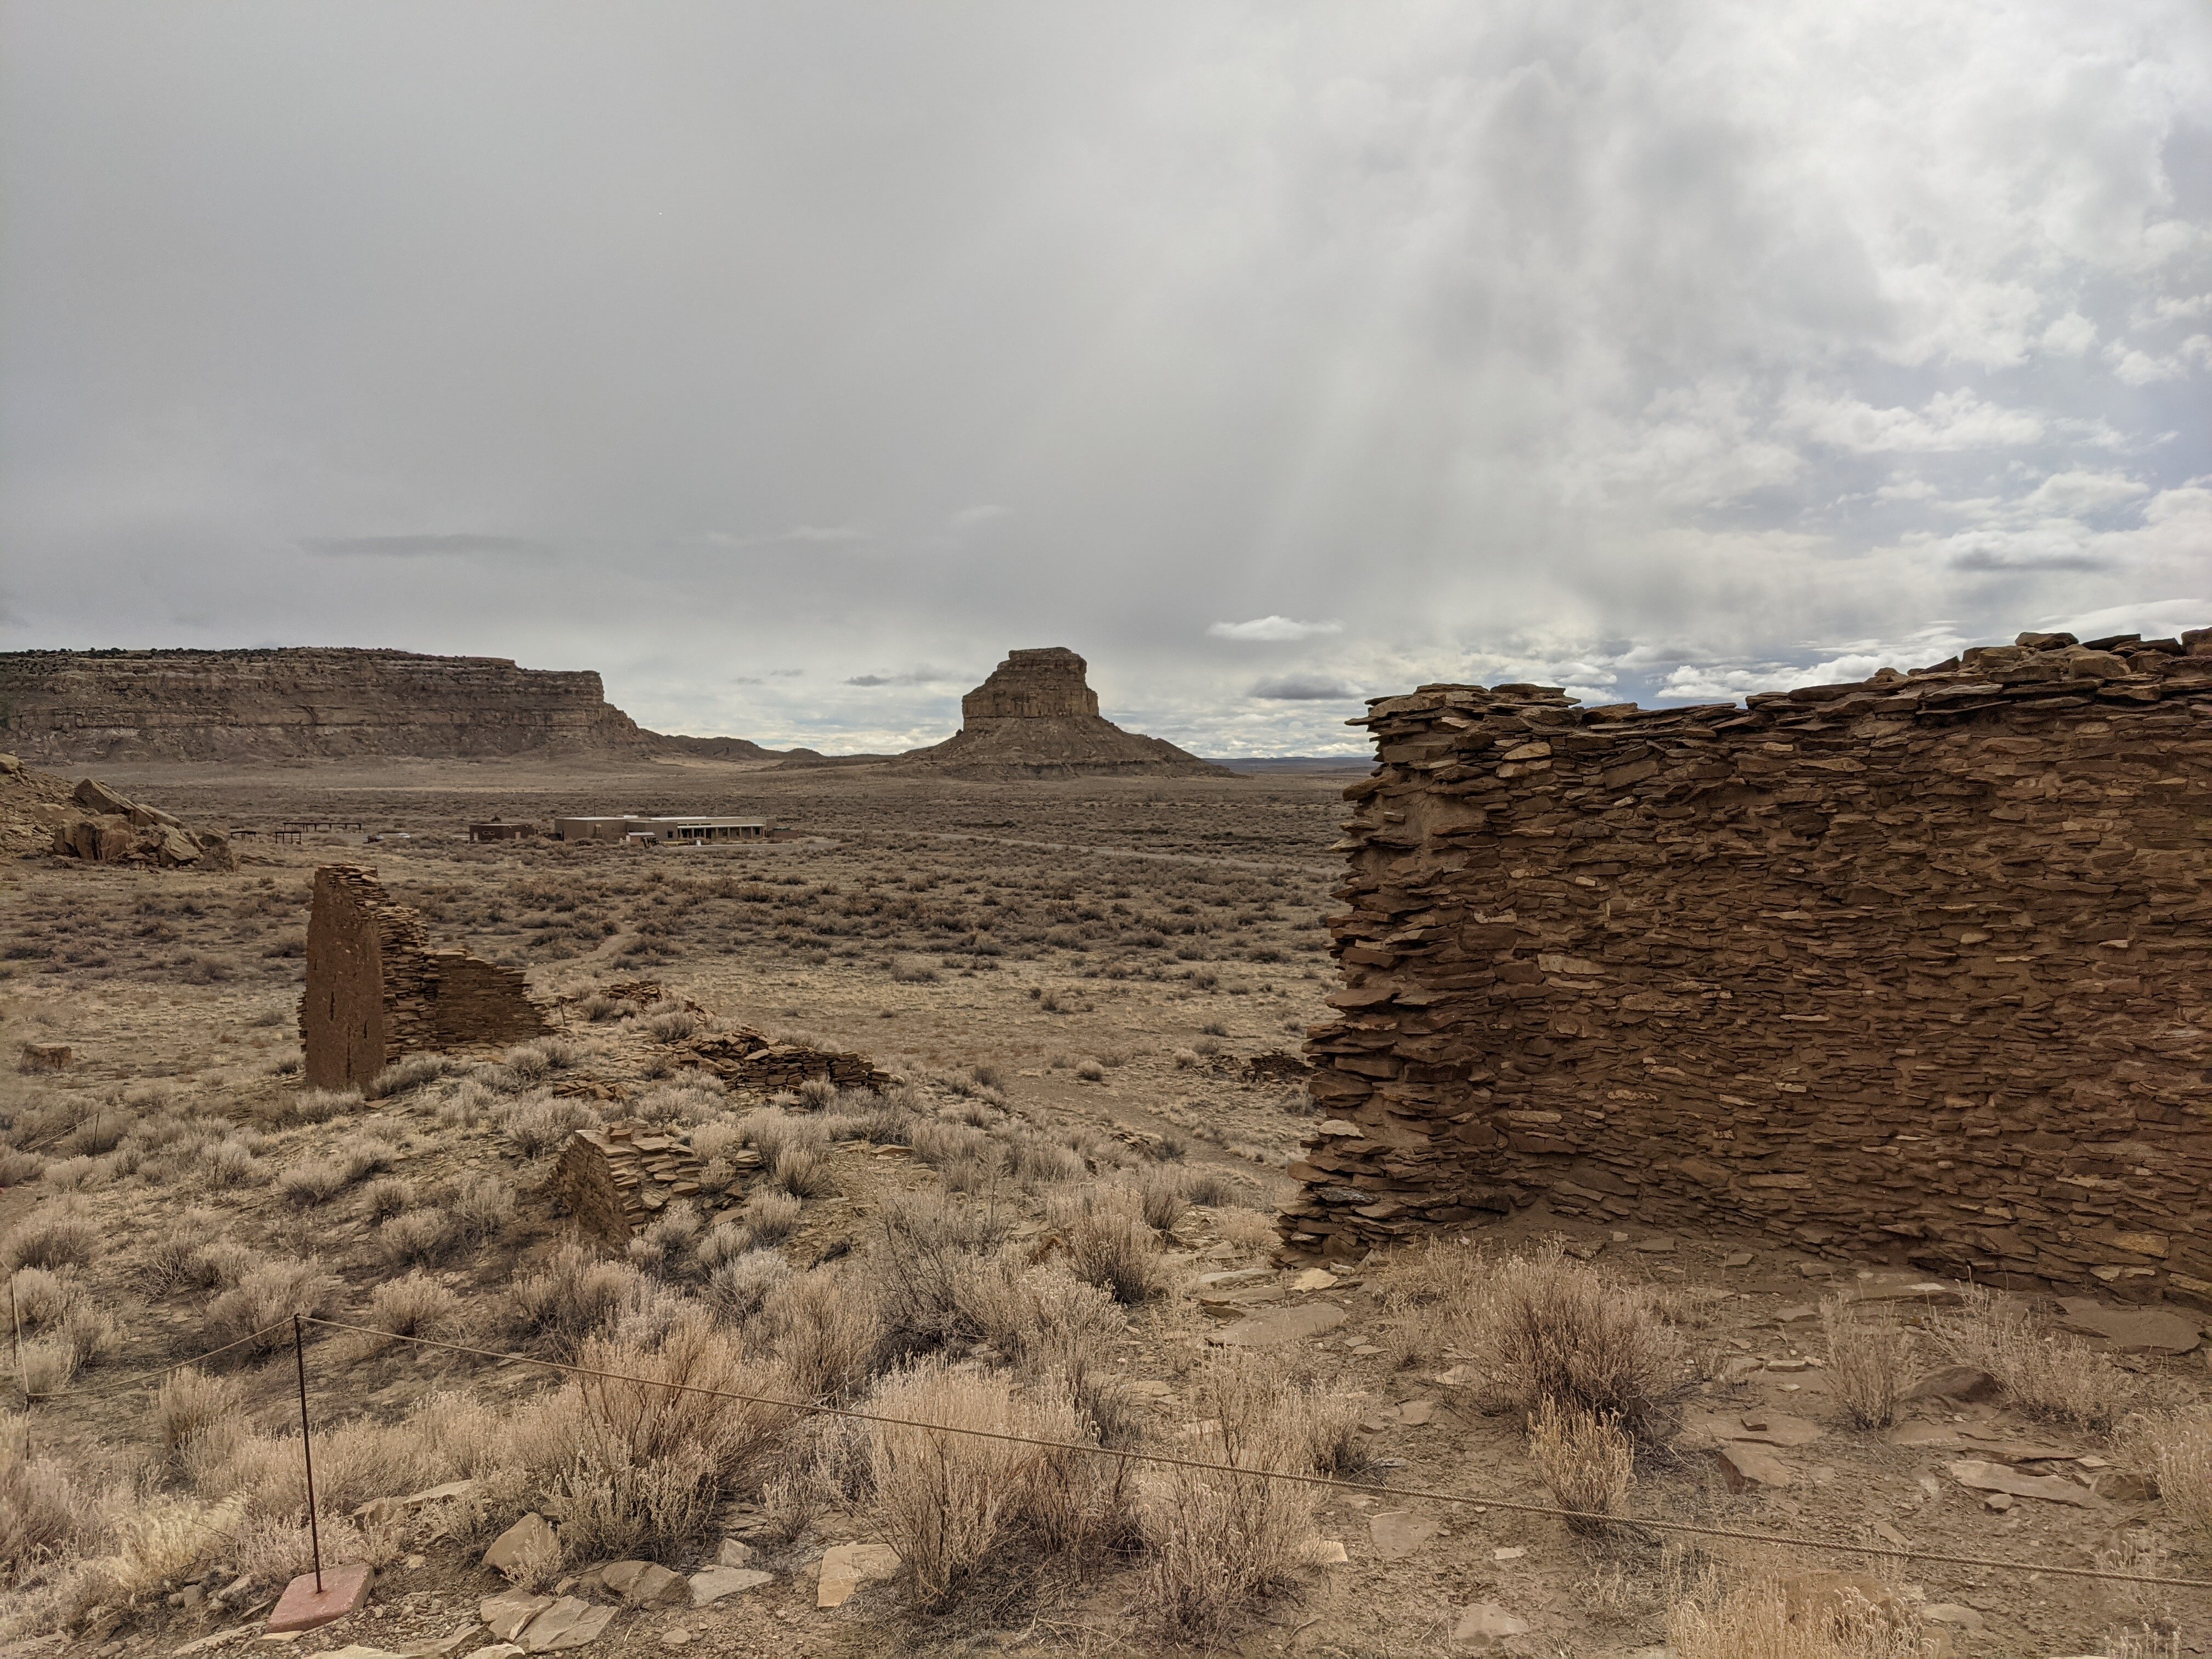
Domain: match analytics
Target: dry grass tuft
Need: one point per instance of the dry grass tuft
(953, 1504)
(2182, 1450)
(1870, 1363)
(261, 1304)
(414, 1305)
(2042, 1373)
(42, 1514)
(1553, 1330)
(58, 1236)
(1816, 1616)
(1219, 1542)
(828, 1331)
(576, 1295)
(1109, 1245)
(1588, 1461)
(193, 1411)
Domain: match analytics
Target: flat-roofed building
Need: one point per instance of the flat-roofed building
(662, 831)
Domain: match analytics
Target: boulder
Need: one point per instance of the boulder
(711, 1585)
(506, 1615)
(532, 1535)
(848, 1566)
(567, 1623)
(97, 799)
(1955, 1383)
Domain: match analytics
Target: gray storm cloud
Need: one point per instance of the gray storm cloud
(1668, 350)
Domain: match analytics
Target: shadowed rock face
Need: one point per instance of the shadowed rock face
(1036, 716)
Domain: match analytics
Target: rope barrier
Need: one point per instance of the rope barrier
(1507, 1506)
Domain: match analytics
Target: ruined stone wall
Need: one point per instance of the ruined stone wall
(1919, 968)
(376, 992)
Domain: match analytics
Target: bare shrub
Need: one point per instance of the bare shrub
(1090, 1071)
(414, 1304)
(817, 1094)
(1762, 1619)
(952, 1504)
(827, 1328)
(804, 1170)
(1108, 1244)
(192, 1408)
(599, 1009)
(665, 1244)
(481, 1208)
(90, 1333)
(537, 1125)
(261, 1304)
(416, 1237)
(312, 1180)
(1870, 1363)
(770, 1214)
(42, 1514)
(404, 1075)
(2043, 1374)
(651, 1464)
(738, 1287)
(41, 1298)
(48, 1364)
(1252, 1231)
(388, 1196)
(914, 971)
(673, 1024)
(2181, 1450)
(576, 1295)
(231, 1164)
(1160, 1193)
(62, 1235)
(1588, 1462)
(1552, 1329)
(1220, 1541)
(1209, 1189)
(319, 1105)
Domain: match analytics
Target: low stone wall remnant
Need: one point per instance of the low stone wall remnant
(1917, 968)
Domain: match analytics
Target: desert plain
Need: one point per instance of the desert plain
(1055, 1217)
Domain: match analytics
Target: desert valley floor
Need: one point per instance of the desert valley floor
(1081, 985)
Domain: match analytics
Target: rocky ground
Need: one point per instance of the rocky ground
(1122, 970)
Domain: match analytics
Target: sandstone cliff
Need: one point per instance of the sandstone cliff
(1036, 716)
(306, 702)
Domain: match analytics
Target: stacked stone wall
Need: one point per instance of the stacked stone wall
(377, 992)
(1918, 969)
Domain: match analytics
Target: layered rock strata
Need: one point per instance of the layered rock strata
(377, 992)
(1919, 966)
(303, 701)
(1036, 716)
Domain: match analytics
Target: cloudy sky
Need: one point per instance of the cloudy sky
(788, 363)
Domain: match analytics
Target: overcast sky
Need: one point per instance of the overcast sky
(787, 364)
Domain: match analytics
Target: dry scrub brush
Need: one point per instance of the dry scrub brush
(1549, 1329)
(1220, 1540)
(1109, 1245)
(2182, 1449)
(1869, 1362)
(1589, 1462)
(2042, 1373)
(1815, 1616)
(952, 1504)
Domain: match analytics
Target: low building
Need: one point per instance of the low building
(662, 831)
(498, 830)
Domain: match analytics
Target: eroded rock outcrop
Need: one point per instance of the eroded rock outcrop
(1920, 966)
(94, 823)
(1036, 716)
(234, 705)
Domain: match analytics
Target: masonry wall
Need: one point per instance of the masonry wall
(1916, 968)
(376, 992)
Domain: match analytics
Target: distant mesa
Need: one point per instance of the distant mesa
(311, 702)
(1036, 716)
